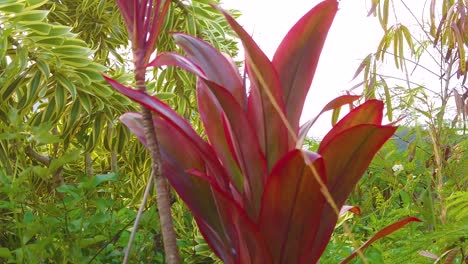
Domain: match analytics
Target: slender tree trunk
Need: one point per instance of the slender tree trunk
(160, 182)
(113, 158)
(89, 164)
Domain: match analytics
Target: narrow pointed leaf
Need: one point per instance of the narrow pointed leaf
(177, 121)
(291, 207)
(174, 59)
(211, 115)
(382, 233)
(368, 113)
(297, 56)
(244, 143)
(215, 65)
(265, 103)
(176, 161)
(357, 146)
(332, 105)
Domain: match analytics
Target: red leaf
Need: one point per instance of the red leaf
(265, 103)
(247, 245)
(298, 54)
(215, 65)
(165, 112)
(211, 115)
(332, 105)
(347, 156)
(382, 233)
(369, 112)
(174, 59)
(144, 20)
(244, 143)
(291, 207)
(350, 208)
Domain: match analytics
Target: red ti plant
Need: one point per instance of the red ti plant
(256, 195)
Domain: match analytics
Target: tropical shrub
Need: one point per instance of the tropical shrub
(256, 196)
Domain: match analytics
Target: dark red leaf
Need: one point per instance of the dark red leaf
(369, 112)
(298, 54)
(242, 137)
(332, 105)
(382, 233)
(291, 207)
(174, 59)
(215, 65)
(347, 156)
(178, 122)
(350, 208)
(265, 103)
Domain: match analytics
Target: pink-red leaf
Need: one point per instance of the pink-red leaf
(215, 65)
(247, 245)
(332, 105)
(165, 112)
(174, 59)
(291, 207)
(370, 112)
(349, 208)
(211, 115)
(244, 143)
(175, 163)
(347, 155)
(382, 233)
(265, 102)
(298, 54)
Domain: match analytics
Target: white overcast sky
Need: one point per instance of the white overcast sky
(352, 36)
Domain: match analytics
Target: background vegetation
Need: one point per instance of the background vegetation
(72, 176)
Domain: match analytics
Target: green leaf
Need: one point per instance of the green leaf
(41, 134)
(66, 158)
(39, 28)
(67, 84)
(100, 178)
(12, 7)
(31, 15)
(71, 50)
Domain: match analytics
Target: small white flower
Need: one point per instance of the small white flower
(397, 168)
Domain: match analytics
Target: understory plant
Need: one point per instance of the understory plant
(256, 196)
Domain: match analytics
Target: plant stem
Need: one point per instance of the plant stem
(160, 183)
(137, 219)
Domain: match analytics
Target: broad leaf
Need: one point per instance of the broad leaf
(368, 113)
(298, 54)
(215, 65)
(265, 102)
(291, 207)
(246, 148)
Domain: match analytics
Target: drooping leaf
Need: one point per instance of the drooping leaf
(291, 207)
(298, 54)
(382, 233)
(215, 65)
